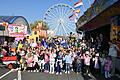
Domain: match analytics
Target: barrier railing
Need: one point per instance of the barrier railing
(12, 70)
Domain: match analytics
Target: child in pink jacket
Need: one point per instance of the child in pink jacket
(87, 57)
(107, 66)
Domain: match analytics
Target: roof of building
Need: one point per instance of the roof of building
(10, 19)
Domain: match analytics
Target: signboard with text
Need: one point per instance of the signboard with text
(17, 30)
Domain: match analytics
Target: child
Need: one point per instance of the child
(87, 58)
(59, 63)
(41, 60)
(68, 61)
(35, 59)
(52, 61)
(46, 59)
(102, 60)
(107, 67)
(78, 64)
(96, 64)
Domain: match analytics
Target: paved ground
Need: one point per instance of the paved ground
(10, 76)
(44, 76)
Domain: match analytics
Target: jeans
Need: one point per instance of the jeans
(107, 74)
(78, 67)
(102, 69)
(67, 66)
(87, 68)
(113, 65)
(47, 66)
(58, 68)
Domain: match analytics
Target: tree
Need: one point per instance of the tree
(34, 25)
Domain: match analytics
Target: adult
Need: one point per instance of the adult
(113, 53)
(6, 46)
(20, 45)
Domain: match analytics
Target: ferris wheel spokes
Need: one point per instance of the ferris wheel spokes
(67, 27)
(58, 19)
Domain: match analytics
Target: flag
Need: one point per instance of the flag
(73, 16)
(77, 11)
(45, 44)
(77, 4)
(76, 15)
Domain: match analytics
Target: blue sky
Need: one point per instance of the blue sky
(32, 9)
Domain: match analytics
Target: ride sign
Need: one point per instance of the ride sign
(17, 30)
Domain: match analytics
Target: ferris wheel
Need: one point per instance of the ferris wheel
(57, 18)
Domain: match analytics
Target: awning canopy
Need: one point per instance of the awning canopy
(102, 19)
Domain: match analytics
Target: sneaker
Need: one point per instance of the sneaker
(37, 70)
(34, 71)
(109, 76)
(60, 73)
(106, 76)
(63, 70)
(52, 72)
(89, 74)
(45, 71)
(77, 73)
(57, 73)
(68, 72)
(28, 70)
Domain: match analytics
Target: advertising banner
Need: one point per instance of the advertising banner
(17, 30)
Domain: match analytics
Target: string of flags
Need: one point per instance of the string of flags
(77, 6)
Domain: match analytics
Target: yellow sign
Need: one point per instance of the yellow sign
(115, 32)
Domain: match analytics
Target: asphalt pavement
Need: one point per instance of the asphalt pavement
(45, 76)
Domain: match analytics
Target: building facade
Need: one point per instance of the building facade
(12, 23)
(103, 17)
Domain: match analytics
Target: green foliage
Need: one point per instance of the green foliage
(34, 25)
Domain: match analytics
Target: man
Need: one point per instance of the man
(113, 53)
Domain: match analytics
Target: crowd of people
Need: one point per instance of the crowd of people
(59, 55)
